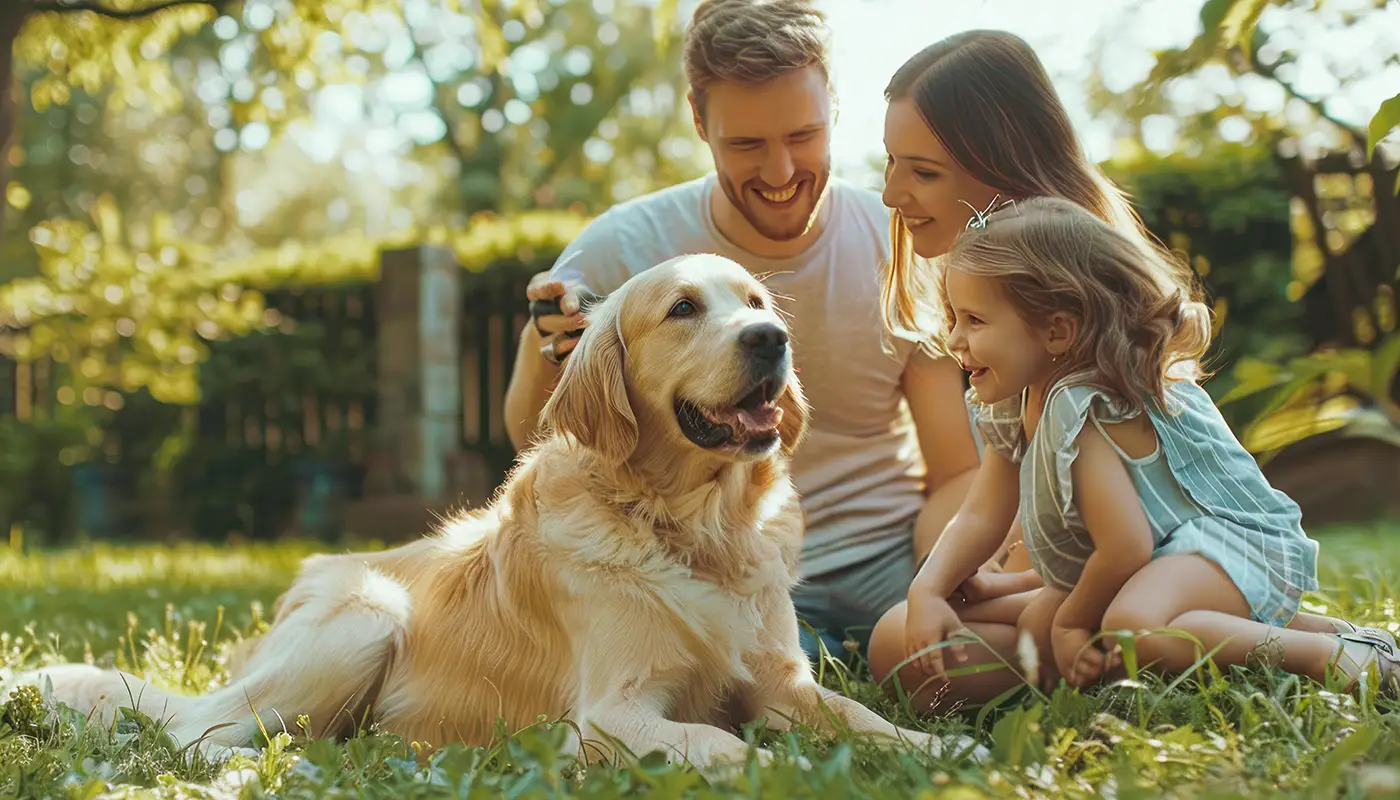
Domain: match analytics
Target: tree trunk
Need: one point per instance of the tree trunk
(12, 17)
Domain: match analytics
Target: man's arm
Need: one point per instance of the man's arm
(592, 261)
(531, 381)
(934, 391)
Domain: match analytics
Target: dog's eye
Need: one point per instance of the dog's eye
(682, 308)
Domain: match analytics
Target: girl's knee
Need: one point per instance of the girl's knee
(1125, 615)
(1156, 650)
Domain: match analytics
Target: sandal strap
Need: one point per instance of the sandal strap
(1378, 633)
(1384, 645)
(1379, 652)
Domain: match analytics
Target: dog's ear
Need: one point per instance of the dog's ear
(590, 403)
(793, 428)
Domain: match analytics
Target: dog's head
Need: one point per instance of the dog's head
(689, 354)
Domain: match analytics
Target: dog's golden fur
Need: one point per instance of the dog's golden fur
(623, 577)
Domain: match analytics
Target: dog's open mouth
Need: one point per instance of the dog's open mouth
(751, 422)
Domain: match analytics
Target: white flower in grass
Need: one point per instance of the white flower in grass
(1029, 657)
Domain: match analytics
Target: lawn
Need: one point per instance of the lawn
(172, 613)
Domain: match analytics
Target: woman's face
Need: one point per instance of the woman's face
(925, 184)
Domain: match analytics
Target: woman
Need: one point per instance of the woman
(974, 122)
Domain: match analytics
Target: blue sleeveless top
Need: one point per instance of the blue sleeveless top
(1202, 492)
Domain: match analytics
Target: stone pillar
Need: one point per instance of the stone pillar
(419, 413)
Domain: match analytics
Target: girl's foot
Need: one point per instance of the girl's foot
(1364, 649)
(1343, 626)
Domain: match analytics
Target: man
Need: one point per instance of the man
(761, 100)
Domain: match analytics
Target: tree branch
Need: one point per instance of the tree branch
(1318, 106)
(633, 71)
(116, 13)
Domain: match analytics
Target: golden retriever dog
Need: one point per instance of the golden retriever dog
(632, 574)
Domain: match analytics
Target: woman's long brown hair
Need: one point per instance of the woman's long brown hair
(987, 97)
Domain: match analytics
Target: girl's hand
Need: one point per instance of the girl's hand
(980, 587)
(989, 585)
(1038, 620)
(929, 622)
(1079, 658)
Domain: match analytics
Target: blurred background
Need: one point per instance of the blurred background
(262, 262)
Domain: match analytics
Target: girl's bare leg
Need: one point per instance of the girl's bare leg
(1191, 593)
(1005, 610)
(994, 621)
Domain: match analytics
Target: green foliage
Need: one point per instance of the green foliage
(1386, 120)
(173, 615)
(125, 318)
(1315, 393)
(82, 52)
(1270, 390)
(164, 113)
(36, 457)
(1227, 26)
(124, 323)
(1232, 36)
(275, 378)
(1226, 211)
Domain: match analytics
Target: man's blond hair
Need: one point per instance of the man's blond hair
(752, 42)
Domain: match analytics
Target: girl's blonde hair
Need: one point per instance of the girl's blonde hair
(1049, 255)
(987, 97)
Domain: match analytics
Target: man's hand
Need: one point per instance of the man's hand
(555, 327)
(928, 623)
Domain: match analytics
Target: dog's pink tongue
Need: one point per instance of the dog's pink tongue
(764, 418)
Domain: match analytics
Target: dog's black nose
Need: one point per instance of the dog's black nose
(764, 339)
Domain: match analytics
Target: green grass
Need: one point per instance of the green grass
(173, 613)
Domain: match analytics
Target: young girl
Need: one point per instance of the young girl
(1139, 508)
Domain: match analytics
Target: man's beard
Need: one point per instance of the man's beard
(752, 211)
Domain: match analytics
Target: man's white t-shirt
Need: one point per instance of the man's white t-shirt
(859, 471)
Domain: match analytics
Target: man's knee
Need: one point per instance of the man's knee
(818, 643)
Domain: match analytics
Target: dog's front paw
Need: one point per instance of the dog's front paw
(226, 753)
(947, 746)
(727, 768)
(968, 747)
(236, 781)
(215, 753)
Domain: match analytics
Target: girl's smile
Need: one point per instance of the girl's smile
(974, 372)
(1001, 353)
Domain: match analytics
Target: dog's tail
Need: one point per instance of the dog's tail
(226, 718)
(98, 694)
(326, 658)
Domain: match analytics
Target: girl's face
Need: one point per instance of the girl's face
(1002, 352)
(925, 184)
